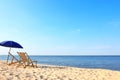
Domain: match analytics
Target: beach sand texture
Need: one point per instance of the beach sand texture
(45, 72)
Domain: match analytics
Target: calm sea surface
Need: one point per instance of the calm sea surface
(103, 62)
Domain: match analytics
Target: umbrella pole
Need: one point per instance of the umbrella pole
(9, 49)
(8, 55)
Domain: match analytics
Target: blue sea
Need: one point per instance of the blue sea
(102, 62)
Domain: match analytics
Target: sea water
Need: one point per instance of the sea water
(101, 62)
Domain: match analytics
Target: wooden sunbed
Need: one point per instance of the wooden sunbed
(25, 60)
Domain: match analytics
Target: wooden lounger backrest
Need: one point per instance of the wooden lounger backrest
(12, 56)
(23, 56)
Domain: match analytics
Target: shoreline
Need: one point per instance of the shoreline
(111, 63)
(49, 65)
(51, 72)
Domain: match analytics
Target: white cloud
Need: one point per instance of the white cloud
(114, 24)
(78, 30)
(103, 47)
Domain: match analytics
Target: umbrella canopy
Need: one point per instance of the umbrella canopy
(11, 44)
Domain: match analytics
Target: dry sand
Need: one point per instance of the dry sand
(44, 72)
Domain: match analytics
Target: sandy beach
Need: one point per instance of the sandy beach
(46, 72)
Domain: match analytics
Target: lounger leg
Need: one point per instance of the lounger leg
(7, 58)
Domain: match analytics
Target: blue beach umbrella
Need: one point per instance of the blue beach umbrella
(10, 44)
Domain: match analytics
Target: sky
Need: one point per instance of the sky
(61, 27)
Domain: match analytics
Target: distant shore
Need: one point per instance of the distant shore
(45, 72)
